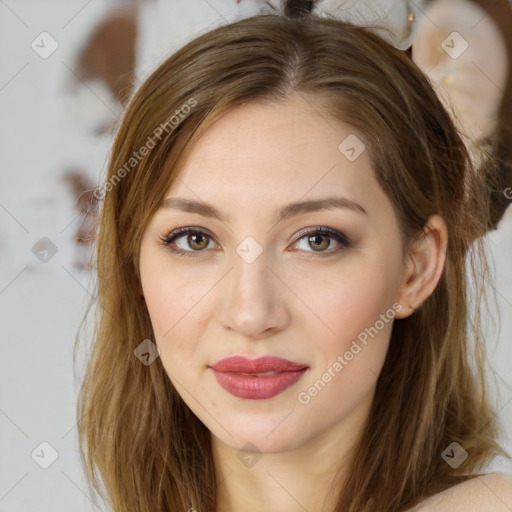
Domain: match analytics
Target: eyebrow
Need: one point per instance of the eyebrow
(287, 211)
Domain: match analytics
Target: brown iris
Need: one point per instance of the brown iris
(197, 241)
(317, 240)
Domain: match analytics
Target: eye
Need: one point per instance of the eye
(186, 241)
(320, 239)
(190, 240)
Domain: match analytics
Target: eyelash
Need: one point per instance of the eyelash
(342, 240)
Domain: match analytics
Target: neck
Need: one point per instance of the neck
(305, 477)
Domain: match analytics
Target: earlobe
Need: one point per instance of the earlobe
(424, 267)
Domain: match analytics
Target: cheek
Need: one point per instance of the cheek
(351, 296)
(348, 360)
(361, 337)
(175, 312)
(169, 298)
(165, 307)
(175, 322)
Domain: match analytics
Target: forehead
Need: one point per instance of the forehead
(274, 154)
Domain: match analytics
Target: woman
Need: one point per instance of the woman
(281, 276)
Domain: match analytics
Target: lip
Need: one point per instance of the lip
(231, 374)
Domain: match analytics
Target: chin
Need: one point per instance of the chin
(256, 434)
(258, 442)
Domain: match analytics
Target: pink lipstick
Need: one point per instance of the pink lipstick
(257, 379)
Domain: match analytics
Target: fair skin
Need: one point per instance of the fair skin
(291, 301)
(488, 493)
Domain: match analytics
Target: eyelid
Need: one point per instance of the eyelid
(342, 240)
(333, 233)
(173, 235)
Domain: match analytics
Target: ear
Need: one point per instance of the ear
(424, 267)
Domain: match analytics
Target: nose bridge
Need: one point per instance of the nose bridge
(251, 303)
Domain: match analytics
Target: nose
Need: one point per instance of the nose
(253, 300)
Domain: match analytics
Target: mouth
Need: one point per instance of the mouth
(265, 364)
(264, 374)
(257, 379)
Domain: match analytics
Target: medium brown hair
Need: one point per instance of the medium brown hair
(136, 433)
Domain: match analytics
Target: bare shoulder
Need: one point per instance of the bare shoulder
(488, 493)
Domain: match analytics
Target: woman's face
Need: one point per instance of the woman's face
(261, 280)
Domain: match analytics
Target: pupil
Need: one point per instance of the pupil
(194, 240)
(317, 240)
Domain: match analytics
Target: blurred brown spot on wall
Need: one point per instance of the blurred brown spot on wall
(109, 54)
